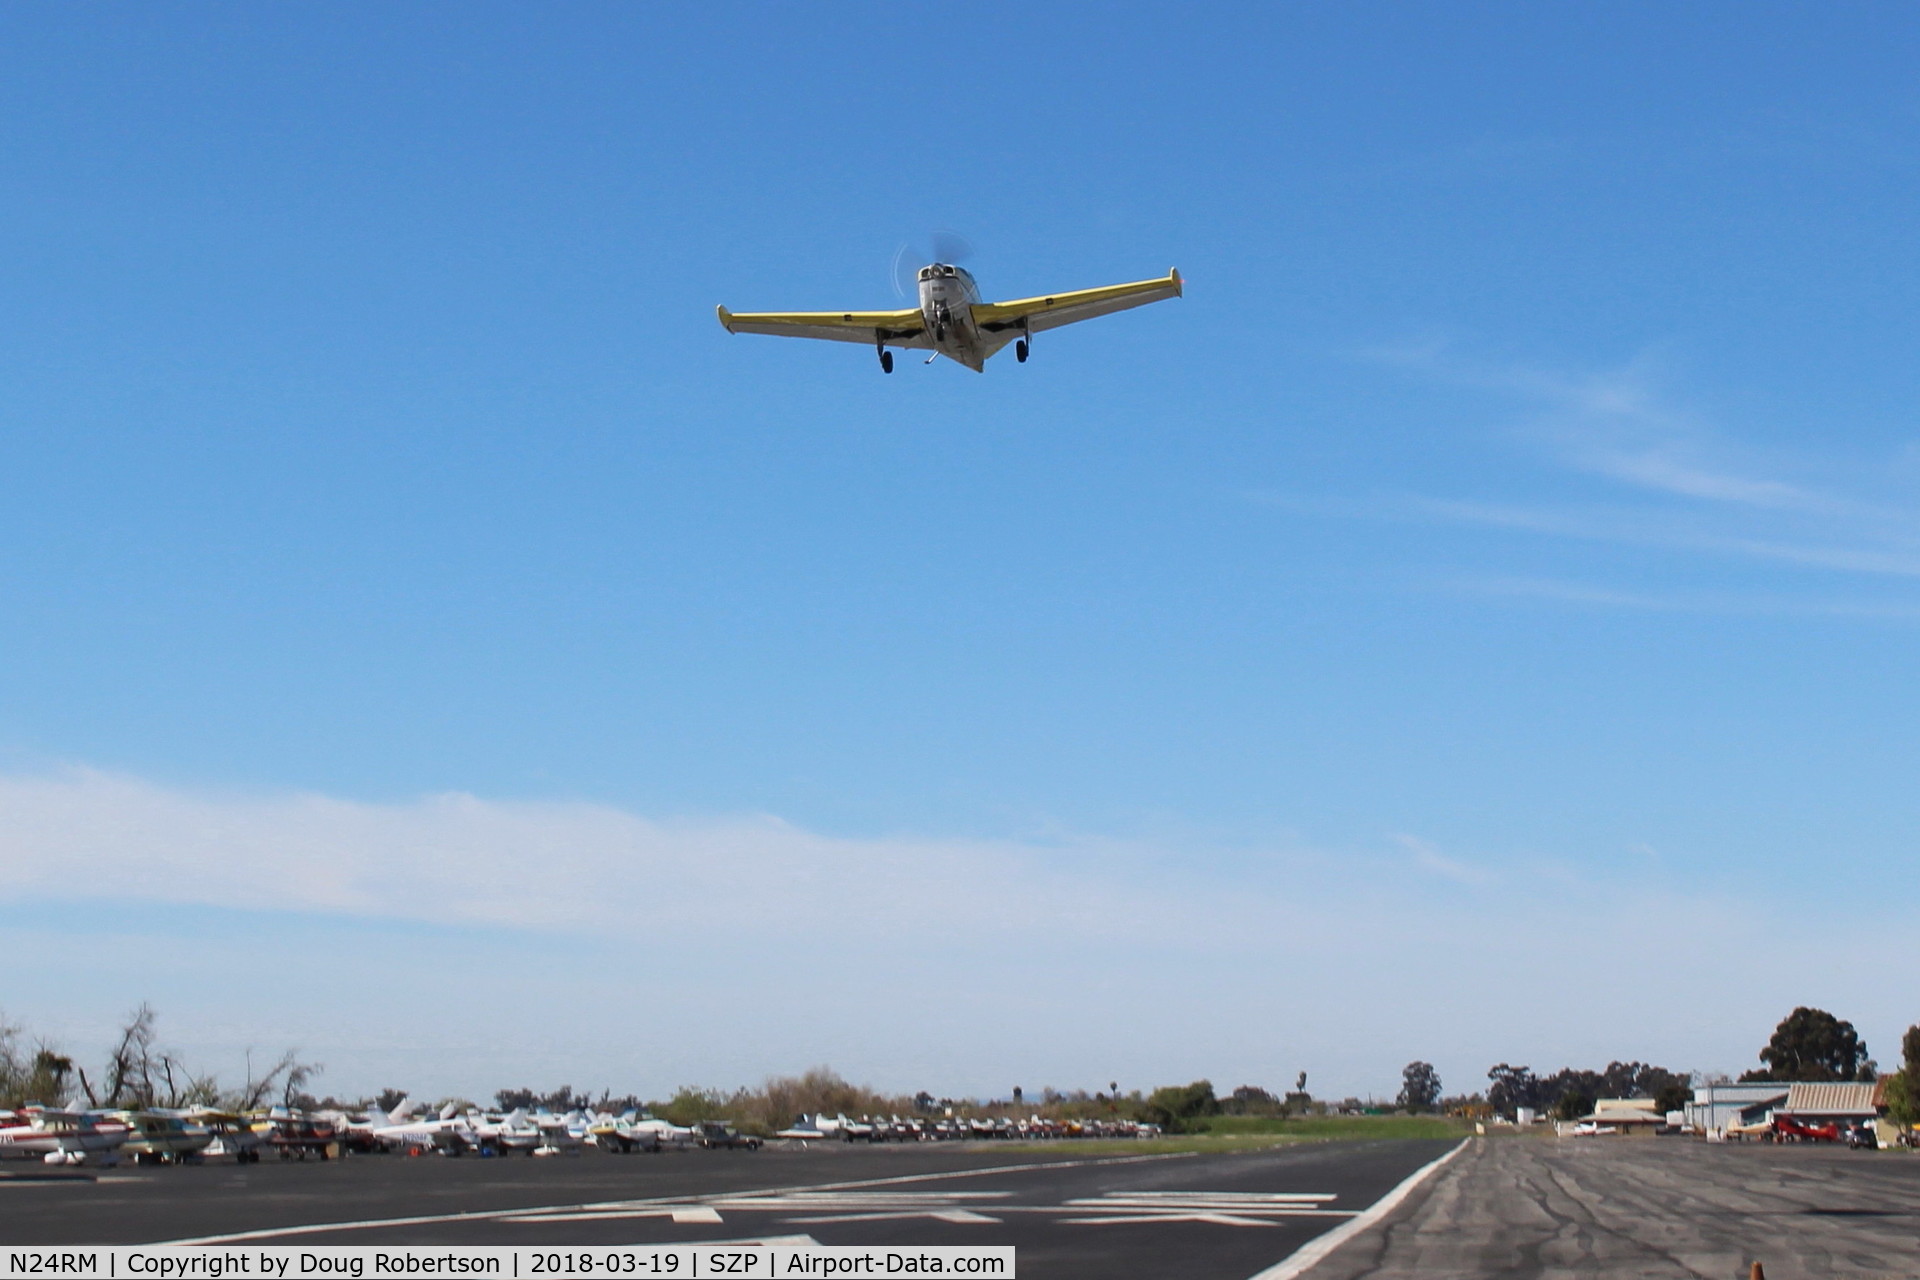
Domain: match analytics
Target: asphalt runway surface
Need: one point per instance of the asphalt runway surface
(1071, 1209)
(1653, 1207)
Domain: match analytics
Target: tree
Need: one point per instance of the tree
(561, 1100)
(1420, 1087)
(1571, 1105)
(45, 1077)
(1903, 1089)
(1673, 1096)
(1176, 1107)
(287, 1077)
(1512, 1088)
(1813, 1045)
(1251, 1100)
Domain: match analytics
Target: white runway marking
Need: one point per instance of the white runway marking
(853, 1206)
(963, 1217)
(1211, 1219)
(1220, 1208)
(867, 1206)
(494, 1215)
(679, 1213)
(1314, 1250)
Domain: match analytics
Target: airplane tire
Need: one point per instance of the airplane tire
(1020, 351)
(886, 362)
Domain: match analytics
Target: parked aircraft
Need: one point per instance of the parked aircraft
(804, 1129)
(163, 1137)
(633, 1132)
(1804, 1130)
(617, 1135)
(234, 1134)
(503, 1134)
(560, 1135)
(297, 1136)
(821, 1126)
(60, 1136)
(450, 1132)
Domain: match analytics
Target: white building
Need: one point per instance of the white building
(1716, 1106)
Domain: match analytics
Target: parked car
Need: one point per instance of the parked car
(718, 1133)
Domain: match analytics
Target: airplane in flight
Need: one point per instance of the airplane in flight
(951, 319)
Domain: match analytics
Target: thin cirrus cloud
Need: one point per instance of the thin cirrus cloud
(1750, 605)
(1681, 484)
(1427, 856)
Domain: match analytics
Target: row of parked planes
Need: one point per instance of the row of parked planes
(165, 1135)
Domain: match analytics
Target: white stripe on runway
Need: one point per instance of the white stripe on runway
(1305, 1257)
(321, 1228)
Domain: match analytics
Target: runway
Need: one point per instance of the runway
(1667, 1209)
(1072, 1210)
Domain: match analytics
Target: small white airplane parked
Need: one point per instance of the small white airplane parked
(63, 1137)
(560, 1135)
(634, 1132)
(951, 319)
(618, 1136)
(829, 1127)
(804, 1130)
(451, 1131)
(233, 1133)
(165, 1137)
(672, 1136)
(511, 1132)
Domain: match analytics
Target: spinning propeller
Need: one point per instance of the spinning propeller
(949, 247)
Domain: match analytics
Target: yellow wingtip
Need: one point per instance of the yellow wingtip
(726, 318)
(1179, 285)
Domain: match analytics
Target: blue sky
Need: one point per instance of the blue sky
(1515, 523)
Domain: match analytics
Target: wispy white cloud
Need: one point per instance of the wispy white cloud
(1680, 481)
(1749, 604)
(1427, 856)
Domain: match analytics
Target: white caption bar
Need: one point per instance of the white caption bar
(747, 1259)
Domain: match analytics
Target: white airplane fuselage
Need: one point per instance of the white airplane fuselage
(947, 298)
(62, 1137)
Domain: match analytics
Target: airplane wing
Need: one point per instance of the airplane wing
(1054, 310)
(904, 328)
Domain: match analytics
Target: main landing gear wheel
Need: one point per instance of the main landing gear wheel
(886, 362)
(1020, 351)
